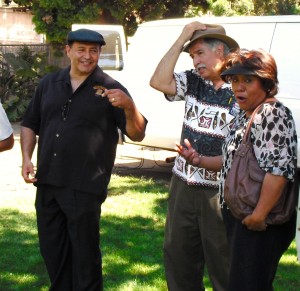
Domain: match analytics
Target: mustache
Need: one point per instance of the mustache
(200, 66)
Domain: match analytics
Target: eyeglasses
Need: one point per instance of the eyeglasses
(65, 109)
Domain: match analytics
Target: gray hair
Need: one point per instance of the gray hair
(213, 43)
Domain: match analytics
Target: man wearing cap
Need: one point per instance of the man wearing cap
(6, 132)
(195, 233)
(76, 113)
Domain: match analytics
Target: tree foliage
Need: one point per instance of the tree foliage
(19, 76)
(275, 7)
(254, 7)
(55, 17)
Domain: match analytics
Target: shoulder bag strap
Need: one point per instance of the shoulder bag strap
(270, 100)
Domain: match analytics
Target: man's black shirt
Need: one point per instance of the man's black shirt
(77, 152)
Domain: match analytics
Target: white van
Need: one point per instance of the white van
(278, 35)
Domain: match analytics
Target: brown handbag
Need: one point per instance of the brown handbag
(244, 180)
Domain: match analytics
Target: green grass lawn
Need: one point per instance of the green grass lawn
(132, 228)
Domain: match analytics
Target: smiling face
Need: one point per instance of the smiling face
(248, 91)
(84, 57)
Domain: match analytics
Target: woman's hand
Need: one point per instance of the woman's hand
(252, 222)
(189, 153)
(271, 191)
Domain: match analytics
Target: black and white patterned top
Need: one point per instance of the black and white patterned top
(274, 139)
(207, 120)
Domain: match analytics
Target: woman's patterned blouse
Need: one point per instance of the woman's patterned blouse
(274, 139)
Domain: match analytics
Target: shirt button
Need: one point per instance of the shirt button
(57, 135)
(54, 154)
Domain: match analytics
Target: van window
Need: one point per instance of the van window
(111, 57)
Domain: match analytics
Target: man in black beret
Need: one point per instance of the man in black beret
(85, 35)
(76, 113)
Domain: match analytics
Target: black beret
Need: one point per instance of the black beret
(85, 35)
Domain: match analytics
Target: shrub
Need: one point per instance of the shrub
(19, 76)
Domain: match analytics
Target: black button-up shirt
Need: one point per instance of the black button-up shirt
(77, 131)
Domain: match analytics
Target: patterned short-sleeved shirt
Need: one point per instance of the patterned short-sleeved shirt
(207, 119)
(274, 139)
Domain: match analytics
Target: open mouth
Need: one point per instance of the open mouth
(240, 98)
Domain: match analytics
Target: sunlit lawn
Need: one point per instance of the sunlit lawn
(131, 237)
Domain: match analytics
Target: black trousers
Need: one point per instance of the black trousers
(68, 227)
(255, 255)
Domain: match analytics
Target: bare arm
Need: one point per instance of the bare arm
(193, 158)
(28, 142)
(7, 143)
(272, 189)
(135, 122)
(163, 78)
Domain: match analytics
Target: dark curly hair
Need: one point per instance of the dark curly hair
(260, 62)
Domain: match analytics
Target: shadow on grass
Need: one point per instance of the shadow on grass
(131, 247)
(287, 276)
(146, 185)
(21, 266)
(132, 252)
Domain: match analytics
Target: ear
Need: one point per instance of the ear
(67, 48)
(220, 51)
